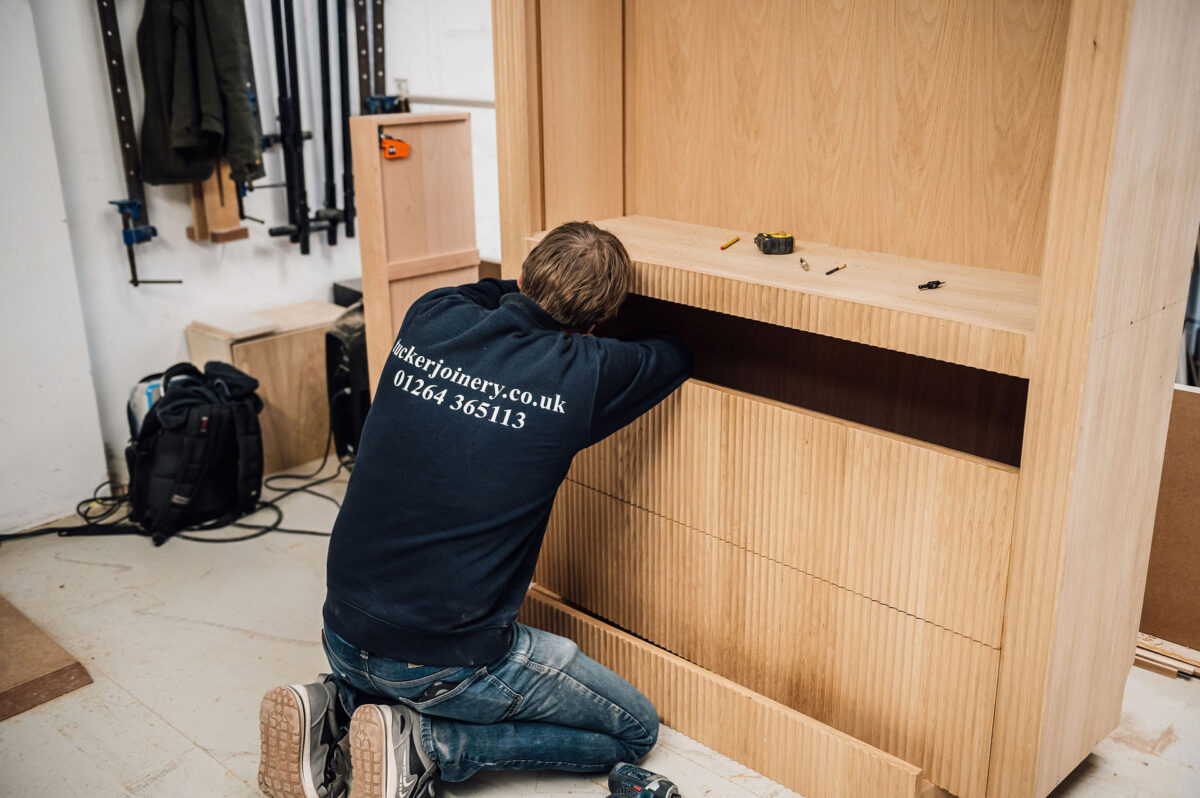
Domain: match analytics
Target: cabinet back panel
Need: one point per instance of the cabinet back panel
(970, 410)
(918, 127)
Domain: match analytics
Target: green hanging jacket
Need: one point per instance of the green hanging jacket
(197, 74)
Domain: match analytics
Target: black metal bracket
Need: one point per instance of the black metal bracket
(135, 216)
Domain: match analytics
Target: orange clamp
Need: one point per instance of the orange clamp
(394, 148)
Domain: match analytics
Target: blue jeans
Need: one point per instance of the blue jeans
(542, 706)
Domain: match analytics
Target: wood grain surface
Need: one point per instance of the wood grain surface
(1100, 386)
(1172, 600)
(918, 127)
(906, 686)
(912, 526)
(290, 369)
(518, 127)
(981, 318)
(417, 216)
(781, 743)
(582, 124)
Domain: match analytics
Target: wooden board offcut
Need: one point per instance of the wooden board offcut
(981, 318)
(1172, 605)
(781, 743)
(33, 668)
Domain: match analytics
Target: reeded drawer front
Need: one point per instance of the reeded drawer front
(906, 686)
(916, 527)
(788, 746)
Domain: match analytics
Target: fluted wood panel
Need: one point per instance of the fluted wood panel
(795, 750)
(918, 127)
(892, 680)
(913, 526)
(981, 318)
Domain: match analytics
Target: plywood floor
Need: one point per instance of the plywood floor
(182, 641)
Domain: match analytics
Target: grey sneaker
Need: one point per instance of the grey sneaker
(386, 753)
(299, 731)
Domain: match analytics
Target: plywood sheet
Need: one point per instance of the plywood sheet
(782, 744)
(908, 687)
(906, 524)
(921, 128)
(33, 668)
(290, 369)
(981, 318)
(1172, 605)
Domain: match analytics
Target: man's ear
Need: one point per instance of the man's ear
(518, 282)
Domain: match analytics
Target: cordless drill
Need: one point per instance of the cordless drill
(630, 781)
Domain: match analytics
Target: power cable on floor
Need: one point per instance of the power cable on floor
(96, 511)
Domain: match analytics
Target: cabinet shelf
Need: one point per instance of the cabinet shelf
(981, 318)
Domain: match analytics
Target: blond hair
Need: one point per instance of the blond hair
(579, 274)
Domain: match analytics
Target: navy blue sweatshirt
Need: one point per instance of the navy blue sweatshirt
(481, 407)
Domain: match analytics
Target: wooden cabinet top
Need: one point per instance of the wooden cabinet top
(982, 318)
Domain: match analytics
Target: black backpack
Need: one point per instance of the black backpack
(197, 456)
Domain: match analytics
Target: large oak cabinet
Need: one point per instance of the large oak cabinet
(914, 525)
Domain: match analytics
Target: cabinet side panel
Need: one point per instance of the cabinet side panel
(1153, 209)
(290, 369)
(372, 242)
(518, 127)
(582, 115)
(1100, 385)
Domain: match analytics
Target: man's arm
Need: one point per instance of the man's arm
(634, 376)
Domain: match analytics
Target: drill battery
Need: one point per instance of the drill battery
(630, 781)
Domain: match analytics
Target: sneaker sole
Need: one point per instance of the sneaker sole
(372, 753)
(283, 766)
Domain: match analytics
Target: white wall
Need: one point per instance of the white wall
(51, 454)
(134, 331)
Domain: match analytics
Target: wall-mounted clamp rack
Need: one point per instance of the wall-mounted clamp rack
(135, 217)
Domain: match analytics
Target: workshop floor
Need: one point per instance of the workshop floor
(183, 640)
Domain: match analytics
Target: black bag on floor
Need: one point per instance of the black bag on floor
(196, 458)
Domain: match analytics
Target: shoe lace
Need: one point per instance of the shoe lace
(335, 765)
